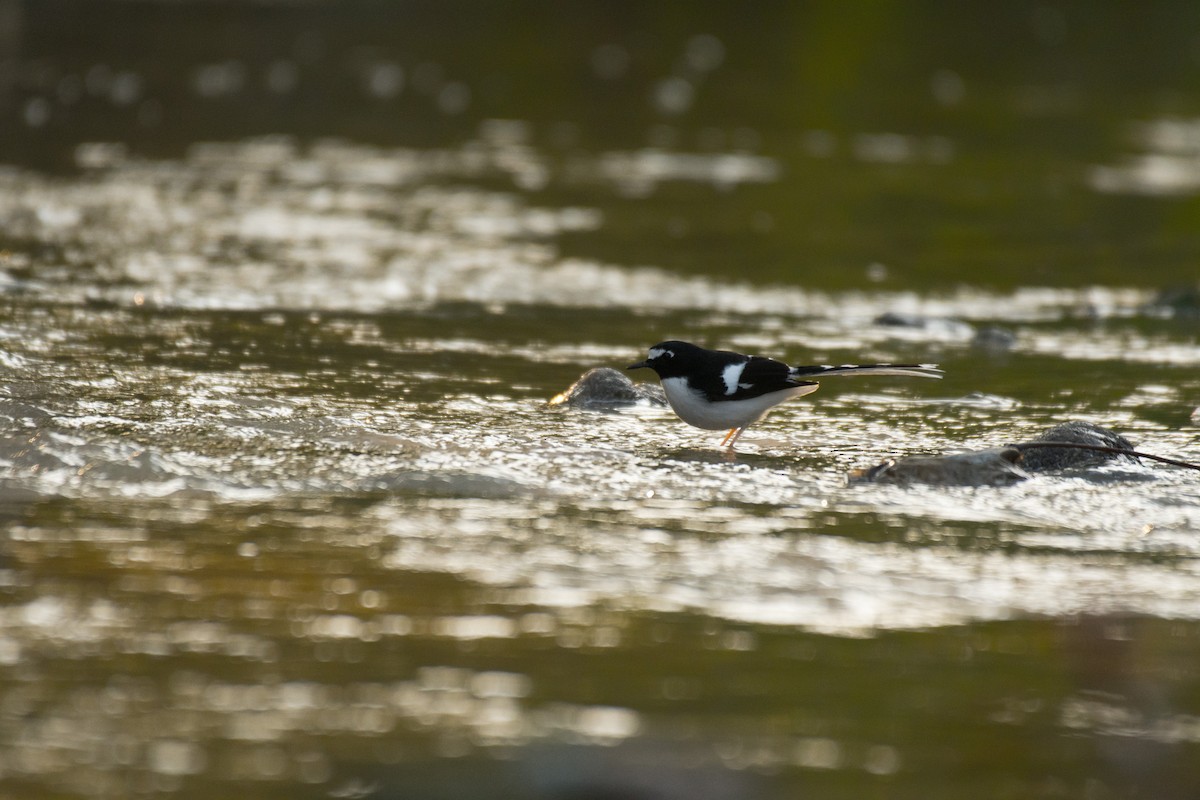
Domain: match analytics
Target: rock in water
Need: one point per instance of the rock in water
(993, 467)
(1004, 465)
(1045, 459)
(605, 389)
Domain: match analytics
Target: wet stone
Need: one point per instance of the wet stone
(1004, 465)
(933, 327)
(605, 389)
(1047, 459)
(1182, 300)
(994, 339)
(992, 467)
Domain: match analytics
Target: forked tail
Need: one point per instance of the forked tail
(911, 370)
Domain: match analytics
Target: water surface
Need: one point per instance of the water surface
(286, 513)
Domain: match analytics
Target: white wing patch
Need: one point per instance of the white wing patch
(730, 376)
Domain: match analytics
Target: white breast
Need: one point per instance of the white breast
(694, 409)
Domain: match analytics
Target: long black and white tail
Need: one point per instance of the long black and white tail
(911, 370)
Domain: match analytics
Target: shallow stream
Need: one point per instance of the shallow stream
(286, 513)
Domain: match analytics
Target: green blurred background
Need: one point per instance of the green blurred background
(951, 142)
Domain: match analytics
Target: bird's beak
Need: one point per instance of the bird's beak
(638, 365)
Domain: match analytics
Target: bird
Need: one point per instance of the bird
(723, 390)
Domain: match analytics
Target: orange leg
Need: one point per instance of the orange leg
(732, 436)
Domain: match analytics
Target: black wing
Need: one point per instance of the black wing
(759, 376)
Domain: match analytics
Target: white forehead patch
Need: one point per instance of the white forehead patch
(730, 376)
(659, 352)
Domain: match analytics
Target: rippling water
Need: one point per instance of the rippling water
(278, 480)
(286, 513)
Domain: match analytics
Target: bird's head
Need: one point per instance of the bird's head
(670, 359)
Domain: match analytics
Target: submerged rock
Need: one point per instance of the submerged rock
(1182, 300)
(994, 339)
(942, 328)
(1004, 465)
(604, 389)
(1046, 459)
(994, 467)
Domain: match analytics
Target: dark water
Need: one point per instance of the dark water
(284, 289)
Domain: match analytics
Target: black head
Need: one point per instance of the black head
(672, 359)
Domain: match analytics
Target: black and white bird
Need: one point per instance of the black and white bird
(721, 390)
